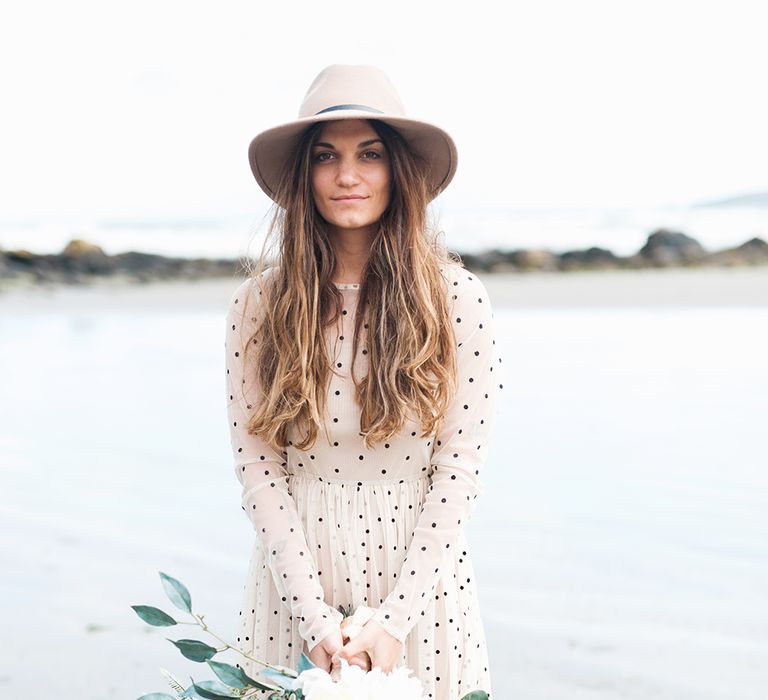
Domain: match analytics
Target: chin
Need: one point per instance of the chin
(362, 223)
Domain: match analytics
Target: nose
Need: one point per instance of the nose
(347, 174)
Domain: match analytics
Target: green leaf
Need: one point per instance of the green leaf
(193, 649)
(285, 671)
(236, 677)
(476, 695)
(191, 693)
(177, 592)
(153, 616)
(278, 678)
(214, 690)
(178, 687)
(305, 663)
(157, 696)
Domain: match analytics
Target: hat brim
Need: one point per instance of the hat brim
(268, 149)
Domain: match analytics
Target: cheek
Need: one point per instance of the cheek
(383, 182)
(318, 182)
(314, 183)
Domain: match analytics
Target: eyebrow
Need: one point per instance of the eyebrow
(362, 144)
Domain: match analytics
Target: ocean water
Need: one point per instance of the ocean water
(621, 230)
(621, 540)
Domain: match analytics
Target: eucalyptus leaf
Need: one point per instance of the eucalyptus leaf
(153, 616)
(177, 592)
(157, 696)
(193, 649)
(173, 682)
(236, 677)
(284, 670)
(191, 693)
(278, 678)
(476, 695)
(214, 690)
(305, 663)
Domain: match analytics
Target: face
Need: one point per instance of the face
(350, 175)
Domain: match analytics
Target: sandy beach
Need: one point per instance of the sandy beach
(620, 542)
(704, 287)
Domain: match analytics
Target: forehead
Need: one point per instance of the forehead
(342, 129)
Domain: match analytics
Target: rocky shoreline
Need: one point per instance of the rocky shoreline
(82, 262)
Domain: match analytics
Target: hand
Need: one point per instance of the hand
(384, 649)
(323, 651)
(362, 659)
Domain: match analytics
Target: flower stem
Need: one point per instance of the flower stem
(227, 645)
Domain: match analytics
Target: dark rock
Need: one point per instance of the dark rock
(20, 258)
(135, 262)
(754, 248)
(81, 262)
(534, 259)
(664, 248)
(78, 248)
(752, 252)
(80, 256)
(591, 258)
(635, 262)
(493, 260)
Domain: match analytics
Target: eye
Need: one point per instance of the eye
(375, 153)
(319, 156)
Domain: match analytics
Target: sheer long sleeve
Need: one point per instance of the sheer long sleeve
(262, 473)
(459, 452)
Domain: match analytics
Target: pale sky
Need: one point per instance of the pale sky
(145, 109)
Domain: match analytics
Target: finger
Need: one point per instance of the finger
(361, 661)
(355, 660)
(331, 647)
(332, 641)
(347, 651)
(380, 663)
(324, 662)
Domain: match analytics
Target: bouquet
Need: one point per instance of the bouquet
(308, 682)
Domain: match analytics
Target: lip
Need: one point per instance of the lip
(350, 198)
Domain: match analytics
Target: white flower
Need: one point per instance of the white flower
(398, 683)
(311, 680)
(333, 692)
(356, 684)
(351, 676)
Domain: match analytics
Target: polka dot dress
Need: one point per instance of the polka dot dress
(339, 524)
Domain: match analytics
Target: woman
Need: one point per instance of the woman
(362, 381)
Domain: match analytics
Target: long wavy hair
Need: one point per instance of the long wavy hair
(403, 314)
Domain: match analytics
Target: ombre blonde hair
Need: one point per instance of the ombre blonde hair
(403, 309)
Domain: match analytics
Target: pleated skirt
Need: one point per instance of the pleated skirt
(358, 552)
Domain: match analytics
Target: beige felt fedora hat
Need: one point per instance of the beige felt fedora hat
(342, 91)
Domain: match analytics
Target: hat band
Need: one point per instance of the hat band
(363, 108)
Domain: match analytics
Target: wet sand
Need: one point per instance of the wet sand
(686, 287)
(621, 541)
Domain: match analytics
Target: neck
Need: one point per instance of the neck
(352, 248)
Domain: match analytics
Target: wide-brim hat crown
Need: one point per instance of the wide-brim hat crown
(342, 91)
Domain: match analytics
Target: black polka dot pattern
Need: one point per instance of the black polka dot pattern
(263, 475)
(340, 524)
